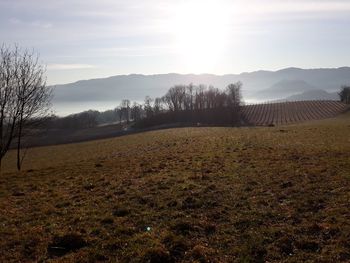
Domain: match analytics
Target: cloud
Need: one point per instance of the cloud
(295, 6)
(69, 66)
(36, 23)
(41, 24)
(137, 51)
(15, 21)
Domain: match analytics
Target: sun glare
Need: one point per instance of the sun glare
(200, 30)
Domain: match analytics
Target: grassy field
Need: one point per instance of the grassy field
(278, 194)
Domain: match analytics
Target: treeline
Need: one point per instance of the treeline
(194, 105)
(83, 120)
(181, 104)
(92, 118)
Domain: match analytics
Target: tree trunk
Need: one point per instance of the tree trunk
(19, 163)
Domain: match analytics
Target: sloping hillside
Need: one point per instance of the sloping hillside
(256, 115)
(183, 195)
(291, 112)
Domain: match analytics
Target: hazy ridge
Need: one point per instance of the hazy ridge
(257, 86)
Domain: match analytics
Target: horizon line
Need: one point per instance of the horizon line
(199, 74)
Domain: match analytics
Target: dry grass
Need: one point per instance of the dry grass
(276, 194)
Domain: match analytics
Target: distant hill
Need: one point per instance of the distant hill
(314, 95)
(284, 88)
(258, 85)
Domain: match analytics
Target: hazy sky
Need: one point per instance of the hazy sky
(82, 39)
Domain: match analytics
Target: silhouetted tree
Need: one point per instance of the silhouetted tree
(344, 94)
(190, 97)
(119, 111)
(148, 106)
(136, 112)
(200, 97)
(23, 96)
(125, 106)
(158, 105)
(234, 94)
(175, 97)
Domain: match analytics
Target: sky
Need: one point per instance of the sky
(84, 39)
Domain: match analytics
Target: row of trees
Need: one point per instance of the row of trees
(86, 119)
(182, 103)
(92, 118)
(24, 97)
(191, 104)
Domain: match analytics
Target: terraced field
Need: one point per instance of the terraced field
(291, 112)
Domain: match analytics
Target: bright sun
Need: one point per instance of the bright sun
(200, 30)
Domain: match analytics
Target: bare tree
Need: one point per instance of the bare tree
(175, 97)
(157, 105)
(200, 97)
(344, 94)
(190, 97)
(148, 106)
(168, 102)
(8, 107)
(125, 106)
(234, 94)
(136, 111)
(119, 112)
(24, 96)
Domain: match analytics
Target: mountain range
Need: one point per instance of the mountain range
(257, 86)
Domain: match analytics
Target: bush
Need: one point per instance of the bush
(62, 245)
